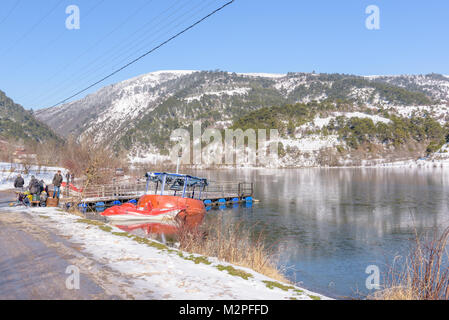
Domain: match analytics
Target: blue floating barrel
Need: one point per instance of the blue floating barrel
(249, 199)
(221, 201)
(116, 203)
(133, 201)
(99, 206)
(235, 200)
(207, 202)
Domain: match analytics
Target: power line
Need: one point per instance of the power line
(146, 54)
(101, 57)
(86, 75)
(10, 12)
(118, 27)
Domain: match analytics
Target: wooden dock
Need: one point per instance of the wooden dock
(213, 194)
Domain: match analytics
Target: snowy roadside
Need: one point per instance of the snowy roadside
(9, 172)
(146, 266)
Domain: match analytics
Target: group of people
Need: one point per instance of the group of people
(38, 189)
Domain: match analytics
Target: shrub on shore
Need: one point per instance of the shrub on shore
(424, 275)
(233, 243)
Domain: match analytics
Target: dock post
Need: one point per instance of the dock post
(148, 185)
(164, 180)
(186, 181)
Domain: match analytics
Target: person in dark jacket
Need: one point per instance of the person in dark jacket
(42, 186)
(57, 182)
(19, 183)
(34, 187)
(67, 177)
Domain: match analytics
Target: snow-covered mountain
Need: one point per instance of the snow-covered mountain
(108, 109)
(138, 115)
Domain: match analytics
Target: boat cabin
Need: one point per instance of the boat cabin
(181, 185)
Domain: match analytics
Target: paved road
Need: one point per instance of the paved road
(6, 197)
(33, 263)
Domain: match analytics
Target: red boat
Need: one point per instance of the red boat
(161, 208)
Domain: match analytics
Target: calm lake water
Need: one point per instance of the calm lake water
(329, 225)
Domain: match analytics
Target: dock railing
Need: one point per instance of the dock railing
(120, 191)
(114, 191)
(228, 190)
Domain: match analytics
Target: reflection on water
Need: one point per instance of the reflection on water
(330, 224)
(148, 229)
(161, 229)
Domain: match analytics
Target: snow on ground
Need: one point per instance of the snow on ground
(291, 83)
(375, 118)
(238, 91)
(438, 111)
(322, 122)
(157, 77)
(443, 152)
(149, 158)
(223, 124)
(311, 142)
(361, 93)
(263, 75)
(159, 272)
(420, 163)
(373, 77)
(9, 172)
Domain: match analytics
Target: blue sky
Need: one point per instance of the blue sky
(41, 62)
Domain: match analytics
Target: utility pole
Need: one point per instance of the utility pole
(179, 161)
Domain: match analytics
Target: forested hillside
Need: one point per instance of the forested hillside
(20, 125)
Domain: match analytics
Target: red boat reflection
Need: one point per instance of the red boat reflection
(166, 227)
